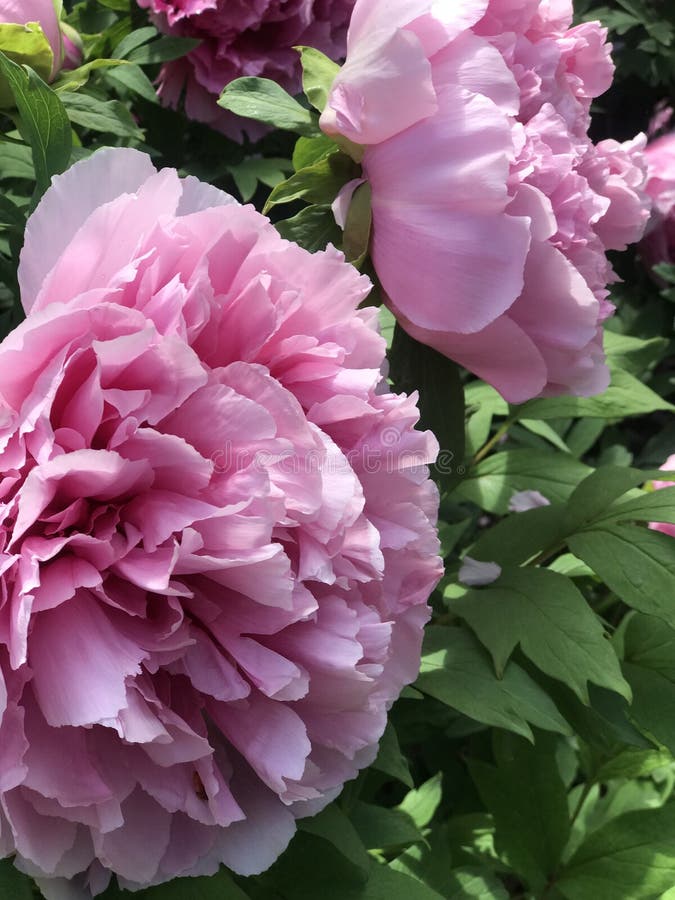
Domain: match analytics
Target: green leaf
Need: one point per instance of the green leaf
(44, 122)
(548, 617)
(318, 183)
(430, 863)
(636, 563)
(416, 367)
(267, 170)
(421, 803)
(387, 325)
(649, 506)
(133, 40)
(333, 826)
(492, 483)
(457, 671)
(314, 227)
(217, 887)
(522, 536)
(547, 432)
(599, 490)
(16, 161)
(26, 45)
(381, 828)
(631, 857)
(390, 760)
(527, 797)
(356, 237)
(482, 403)
(133, 78)
(633, 764)
(318, 74)
(14, 885)
(162, 50)
(633, 354)
(109, 116)
(266, 101)
(626, 396)
(649, 666)
(74, 79)
(309, 150)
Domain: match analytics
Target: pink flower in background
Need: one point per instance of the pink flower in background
(668, 466)
(492, 209)
(658, 245)
(21, 12)
(243, 37)
(217, 533)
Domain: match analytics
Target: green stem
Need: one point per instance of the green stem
(494, 440)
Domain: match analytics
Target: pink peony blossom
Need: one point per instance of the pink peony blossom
(21, 12)
(243, 37)
(217, 533)
(658, 245)
(492, 209)
(668, 466)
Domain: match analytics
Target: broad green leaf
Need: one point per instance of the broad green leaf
(333, 825)
(522, 536)
(318, 183)
(109, 116)
(309, 150)
(430, 862)
(314, 227)
(266, 101)
(626, 396)
(380, 827)
(11, 214)
(16, 161)
(650, 506)
(359, 219)
(599, 490)
(44, 122)
(457, 671)
(26, 45)
(527, 798)
(474, 884)
(416, 367)
(387, 325)
(133, 40)
(162, 50)
(492, 483)
(548, 617)
(636, 563)
(631, 857)
(633, 354)
(633, 764)
(14, 885)
(269, 171)
(74, 79)
(318, 73)
(649, 666)
(421, 803)
(547, 432)
(390, 760)
(567, 564)
(133, 78)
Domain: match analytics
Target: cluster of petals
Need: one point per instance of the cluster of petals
(668, 466)
(217, 533)
(242, 37)
(21, 12)
(658, 245)
(492, 208)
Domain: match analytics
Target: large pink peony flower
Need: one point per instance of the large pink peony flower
(658, 245)
(667, 467)
(492, 209)
(243, 37)
(21, 12)
(217, 533)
